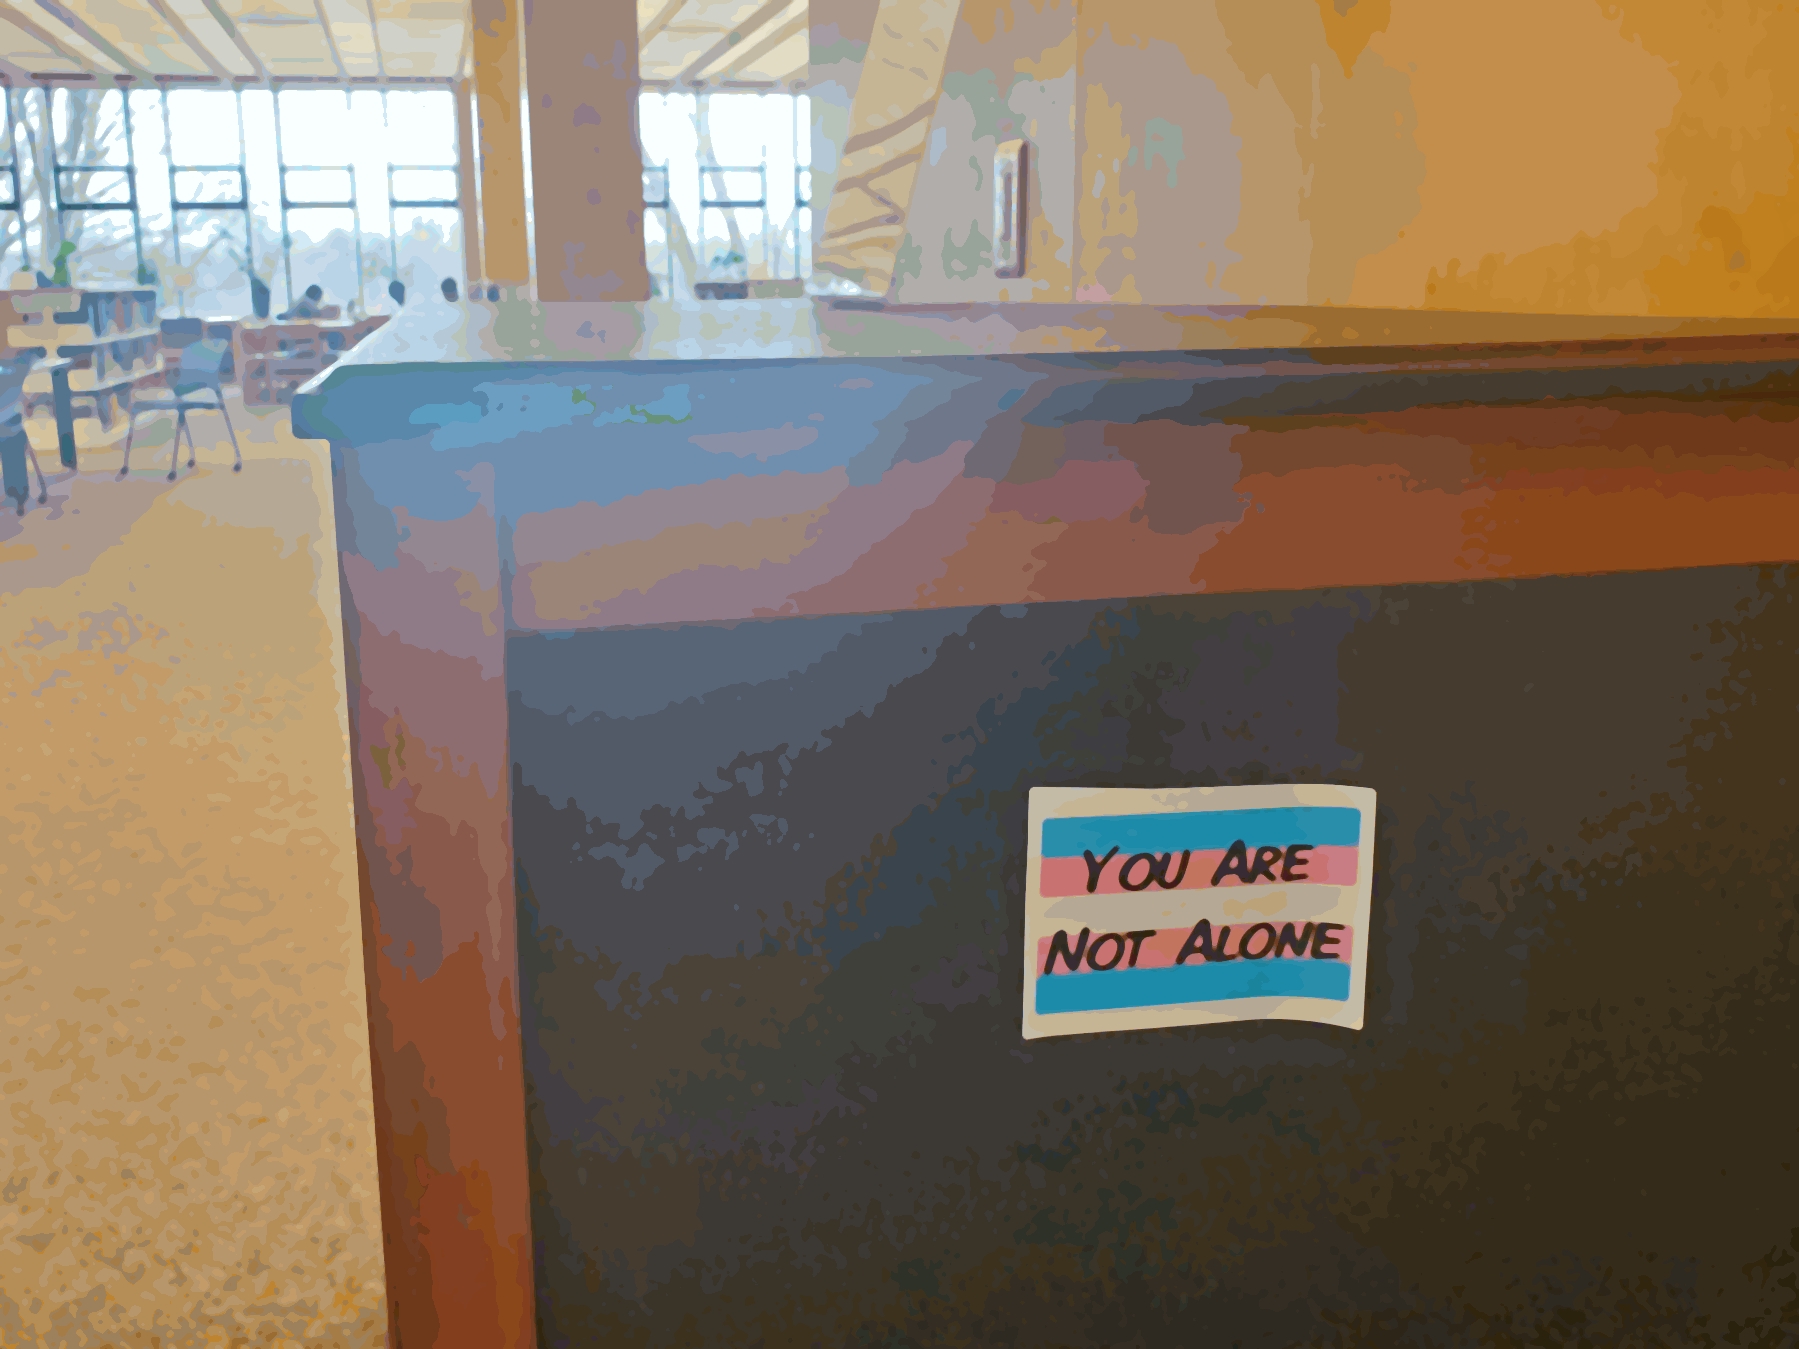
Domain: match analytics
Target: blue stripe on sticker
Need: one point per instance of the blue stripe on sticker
(1203, 830)
(1326, 979)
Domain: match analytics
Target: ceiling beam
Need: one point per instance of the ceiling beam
(757, 50)
(194, 44)
(884, 143)
(237, 39)
(664, 17)
(343, 71)
(375, 37)
(27, 25)
(51, 77)
(81, 26)
(765, 15)
(15, 75)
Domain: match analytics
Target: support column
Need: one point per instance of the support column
(902, 74)
(505, 254)
(586, 164)
(468, 202)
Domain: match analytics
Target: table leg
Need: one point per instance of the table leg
(65, 415)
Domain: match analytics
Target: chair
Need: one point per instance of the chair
(15, 450)
(178, 334)
(198, 372)
(225, 331)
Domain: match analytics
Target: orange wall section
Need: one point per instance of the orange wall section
(1556, 156)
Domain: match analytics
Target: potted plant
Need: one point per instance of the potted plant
(730, 267)
(59, 273)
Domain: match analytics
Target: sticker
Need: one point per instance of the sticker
(1191, 905)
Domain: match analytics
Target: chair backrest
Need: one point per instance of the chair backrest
(179, 333)
(12, 393)
(199, 367)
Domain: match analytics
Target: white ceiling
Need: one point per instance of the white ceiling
(721, 43)
(331, 40)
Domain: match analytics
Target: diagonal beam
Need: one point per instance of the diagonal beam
(343, 72)
(27, 25)
(223, 20)
(194, 44)
(723, 46)
(896, 97)
(81, 26)
(375, 37)
(742, 59)
(664, 17)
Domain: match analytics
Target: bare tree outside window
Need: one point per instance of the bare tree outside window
(89, 128)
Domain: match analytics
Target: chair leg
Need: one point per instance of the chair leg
(237, 467)
(175, 446)
(130, 434)
(190, 439)
(43, 488)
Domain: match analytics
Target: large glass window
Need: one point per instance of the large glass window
(727, 182)
(70, 150)
(184, 189)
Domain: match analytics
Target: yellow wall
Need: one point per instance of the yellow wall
(187, 1149)
(1570, 156)
(1673, 160)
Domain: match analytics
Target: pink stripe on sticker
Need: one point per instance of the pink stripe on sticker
(1119, 874)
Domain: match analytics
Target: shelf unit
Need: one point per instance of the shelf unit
(95, 348)
(275, 358)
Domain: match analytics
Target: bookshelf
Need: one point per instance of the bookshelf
(94, 349)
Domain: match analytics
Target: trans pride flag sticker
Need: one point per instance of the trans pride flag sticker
(1149, 908)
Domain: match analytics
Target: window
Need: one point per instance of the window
(727, 183)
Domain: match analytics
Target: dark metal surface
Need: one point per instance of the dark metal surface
(770, 903)
(64, 408)
(809, 1118)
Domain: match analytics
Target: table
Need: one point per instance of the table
(275, 357)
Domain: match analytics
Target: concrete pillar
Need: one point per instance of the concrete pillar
(466, 196)
(505, 252)
(902, 73)
(586, 164)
